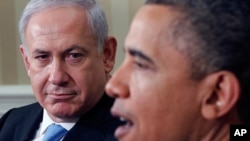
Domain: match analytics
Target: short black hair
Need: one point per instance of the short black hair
(221, 41)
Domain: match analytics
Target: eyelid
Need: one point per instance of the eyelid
(76, 51)
(74, 58)
(73, 53)
(76, 48)
(141, 63)
(39, 55)
(142, 66)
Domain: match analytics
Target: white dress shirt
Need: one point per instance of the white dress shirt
(46, 122)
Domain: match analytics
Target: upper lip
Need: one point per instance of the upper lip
(61, 93)
(125, 119)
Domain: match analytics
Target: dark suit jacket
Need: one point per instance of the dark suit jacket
(21, 124)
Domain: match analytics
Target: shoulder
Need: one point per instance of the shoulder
(96, 125)
(21, 113)
(20, 123)
(101, 111)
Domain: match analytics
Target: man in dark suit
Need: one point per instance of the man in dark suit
(186, 72)
(68, 56)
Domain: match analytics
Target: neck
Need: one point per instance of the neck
(219, 132)
(220, 129)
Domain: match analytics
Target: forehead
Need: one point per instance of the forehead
(157, 14)
(63, 19)
(56, 29)
(151, 31)
(153, 23)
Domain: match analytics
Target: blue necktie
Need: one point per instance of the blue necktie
(54, 132)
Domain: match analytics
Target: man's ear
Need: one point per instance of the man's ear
(25, 58)
(221, 91)
(109, 53)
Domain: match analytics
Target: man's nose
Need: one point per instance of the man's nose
(58, 73)
(117, 86)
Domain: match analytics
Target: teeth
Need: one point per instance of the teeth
(126, 121)
(123, 119)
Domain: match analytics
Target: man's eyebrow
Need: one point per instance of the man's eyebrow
(39, 51)
(137, 53)
(75, 47)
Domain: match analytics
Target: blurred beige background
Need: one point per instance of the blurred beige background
(12, 72)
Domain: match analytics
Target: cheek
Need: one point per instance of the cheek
(38, 85)
(89, 80)
(144, 92)
(82, 77)
(38, 78)
(150, 91)
(154, 97)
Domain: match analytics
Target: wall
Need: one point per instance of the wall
(8, 56)
(14, 83)
(22, 77)
(15, 96)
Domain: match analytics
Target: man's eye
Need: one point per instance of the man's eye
(42, 57)
(74, 55)
(141, 65)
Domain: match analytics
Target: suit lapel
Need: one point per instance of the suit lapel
(27, 129)
(90, 125)
(82, 132)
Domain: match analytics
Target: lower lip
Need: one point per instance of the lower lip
(122, 130)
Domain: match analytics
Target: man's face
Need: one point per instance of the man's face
(153, 90)
(66, 70)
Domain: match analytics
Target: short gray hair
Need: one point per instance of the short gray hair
(95, 14)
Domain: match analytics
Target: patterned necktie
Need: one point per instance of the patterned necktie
(54, 132)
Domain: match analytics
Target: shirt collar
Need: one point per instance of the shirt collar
(47, 121)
